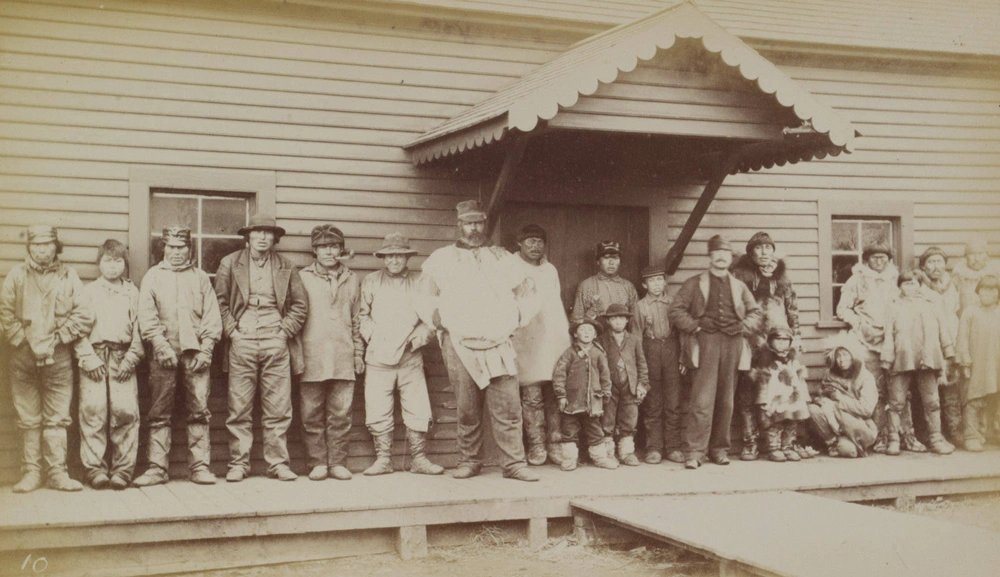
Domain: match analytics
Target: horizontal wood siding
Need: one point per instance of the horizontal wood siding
(325, 101)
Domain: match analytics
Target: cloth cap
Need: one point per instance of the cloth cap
(717, 242)
(532, 231)
(988, 282)
(759, 239)
(578, 324)
(470, 211)
(654, 270)
(932, 251)
(42, 233)
(877, 249)
(616, 310)
(974, 246)
(176, 236)
(608, 247)
(261, 221)
(327, 234)
(779, 333)
(395, 243)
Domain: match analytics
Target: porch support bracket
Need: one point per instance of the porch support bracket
(510, 163)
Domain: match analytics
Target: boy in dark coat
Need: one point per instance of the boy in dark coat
(582, 382)
(629, 382)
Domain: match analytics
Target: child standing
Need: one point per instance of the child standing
(109, 406)
(979, 355)
(782, 395)
(916, 345)
(629, 383)
(582, 382)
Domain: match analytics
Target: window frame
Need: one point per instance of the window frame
(258, 184)
(901, 211)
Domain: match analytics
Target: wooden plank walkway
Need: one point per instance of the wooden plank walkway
(787, 534)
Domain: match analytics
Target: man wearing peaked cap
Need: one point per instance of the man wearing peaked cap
(263, 305)
(179, 317)
(715, 312)
(393, 359)
(44, 315)
(597, 293)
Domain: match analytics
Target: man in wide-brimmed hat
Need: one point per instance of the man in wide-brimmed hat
(477, 296)
(44, 315)
(263, 306)
(393, 360)
(179, 317)
(607, 287)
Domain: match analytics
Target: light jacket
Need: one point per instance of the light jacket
(966, 279)
(979, 349)
(916, 336)
(944, 296)
(116, 316)
(331, 337)
(388, 318)
(865, 300)
(583, 379)
(540, 343)
(178, 309)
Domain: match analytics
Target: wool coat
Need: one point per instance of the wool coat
(916, 336)
(583, 379)
(178, 309)
(633, 357)
(331, 336)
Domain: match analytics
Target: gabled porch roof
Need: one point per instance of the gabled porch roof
(542, 94)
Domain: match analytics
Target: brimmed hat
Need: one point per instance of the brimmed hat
(586, 321)
(932, 251)
(717, 242)
(607, 247)
(977, 245)
(395, 243)
(616, 310)
(176, 236)
(654, 270)
(261, 221)
(42, 233)
(759, 239)
(532, 231)
(877, 249)
(470, 211)
(326, 234)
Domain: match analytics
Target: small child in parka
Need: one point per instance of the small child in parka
(629, 383)
(979, 355)
(782, 395)
(581, 382)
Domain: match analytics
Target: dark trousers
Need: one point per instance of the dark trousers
(264, 364)
(163, 384)
(571, 425)
(621, 411)
(663, 406)
(899, 386)
(541, 415)
(706, 425)
(326, 421)
(502, 400)
(42, 397)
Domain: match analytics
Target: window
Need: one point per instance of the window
(212, 218)
(845, 229)
(215, 203)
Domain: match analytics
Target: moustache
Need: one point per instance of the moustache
(474, 238)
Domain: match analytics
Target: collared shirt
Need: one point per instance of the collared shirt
(649, 319)
(116, 311)
(388, 318)
(261, 317)
(596, 293)
(720, 312)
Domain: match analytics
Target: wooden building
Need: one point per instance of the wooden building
(594, 119)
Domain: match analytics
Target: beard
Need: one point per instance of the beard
(474, 239)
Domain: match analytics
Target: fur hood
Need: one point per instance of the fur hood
(941, 286)
(963, 272)
(849, 342)
(768, 356)
(890, 274)
(747, 271)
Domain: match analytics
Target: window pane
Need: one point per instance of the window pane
(876, 233)
(836, 297)
(214, 249)
(845, 235)
(842, 264)
(169, 210)
(223, 215)
(155, 251)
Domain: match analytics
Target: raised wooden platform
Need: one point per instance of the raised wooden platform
(787, 534)
(184, 527)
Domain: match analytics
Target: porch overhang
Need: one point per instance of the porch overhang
(539, 96)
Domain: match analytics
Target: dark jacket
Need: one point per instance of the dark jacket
(232, 287)
(634, 357)
(775, 294)
(583, 379)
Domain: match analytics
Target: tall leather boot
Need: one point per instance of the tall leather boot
(937, 441)
(31, 462)
(383, 455)
(54, 456)
(419, 463)
(892, 433)
(750, 435)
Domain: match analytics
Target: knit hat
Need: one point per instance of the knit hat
(608, 247)
(988, 282)
(654, 270)
(932, 251)
(585, 321)
(532, 231)
(327, 234)
(42, 233)
(876, 249)
(759, 239)
(176, 236)
(616, 310)
(261, 221)
(974, 246)
(395, 243)
(470, 211)
(717, 242)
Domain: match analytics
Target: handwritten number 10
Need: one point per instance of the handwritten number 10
(39, 565)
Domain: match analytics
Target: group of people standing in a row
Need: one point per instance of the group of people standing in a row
(728, 340)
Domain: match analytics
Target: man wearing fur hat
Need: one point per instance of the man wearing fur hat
(716, 312)
(393, 360)
(937, 287)
(968, 272)
(538, 346)
(263, 306)
(595, 294)
(864, 302)
(333, 354)
(44, 315)
(477, 296)
(765, 275)
(178, 316)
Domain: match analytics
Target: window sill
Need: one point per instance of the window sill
(831, 324)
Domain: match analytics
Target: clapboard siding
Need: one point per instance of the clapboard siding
(325, 99)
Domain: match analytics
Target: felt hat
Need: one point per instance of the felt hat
(326, 234)
(395, 243)
(759, 239)
(932, 251)
(42, 233)
(470, 211)
(261, 221)
(532, 231)
(876, 249)
(654, 270)
(585, 321)
(717, 242)
(608, 247)
(176, 236)
(616, 310)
